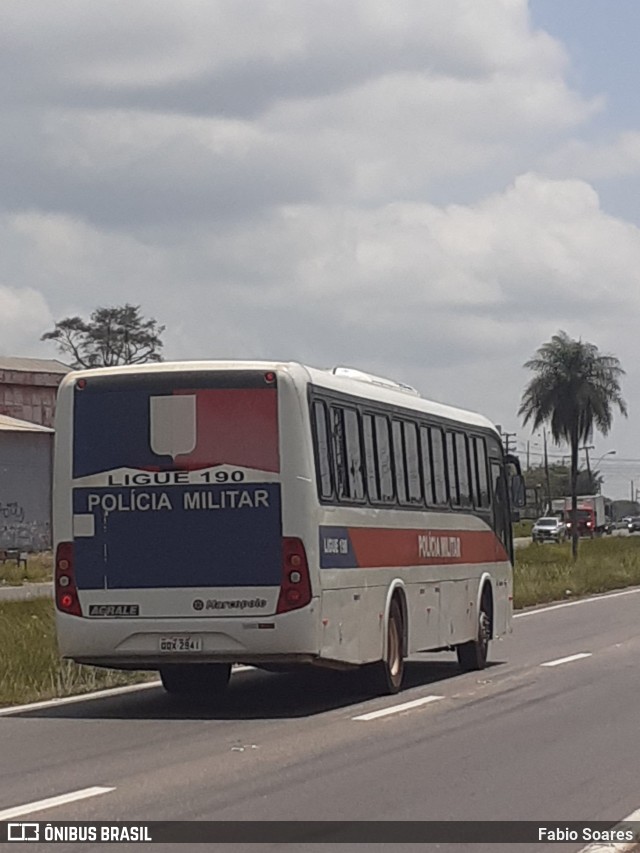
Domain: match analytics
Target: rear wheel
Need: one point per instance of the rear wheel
(203, 681)
(473, 654)
(388, 674)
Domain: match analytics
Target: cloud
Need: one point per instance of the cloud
(24, 314)
(406, 281)
(158, 116)
(596, 161)
(404, 187)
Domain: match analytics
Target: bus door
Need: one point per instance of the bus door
(500, 509)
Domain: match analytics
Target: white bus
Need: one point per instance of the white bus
(272, 514)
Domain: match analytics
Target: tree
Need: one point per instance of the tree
(589, 483)
(112, 336)
(575, 389)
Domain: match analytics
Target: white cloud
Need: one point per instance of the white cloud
(597, 160)
(400, 186)
(24, 315)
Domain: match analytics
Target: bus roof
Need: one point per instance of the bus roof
(345, 380)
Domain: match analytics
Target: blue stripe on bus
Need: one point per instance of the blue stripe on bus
(180, 537)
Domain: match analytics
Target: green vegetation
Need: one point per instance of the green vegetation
(547, 572)
(574, 389)
(116, 335)
(30, 668)
(39, 568)
(522, 528)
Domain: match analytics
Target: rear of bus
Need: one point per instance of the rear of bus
(170, 544)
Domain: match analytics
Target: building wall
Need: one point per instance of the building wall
(25, 490)
(29, 396)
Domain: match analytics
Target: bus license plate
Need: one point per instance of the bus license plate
(180, 644)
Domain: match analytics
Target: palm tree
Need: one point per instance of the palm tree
(574, 389)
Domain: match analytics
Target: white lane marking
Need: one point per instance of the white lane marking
(615, 847)
(569, 659)
(575, 603)
(52, 802)
(98, 694)
(396, 709)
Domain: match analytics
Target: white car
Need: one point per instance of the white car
(549, 529)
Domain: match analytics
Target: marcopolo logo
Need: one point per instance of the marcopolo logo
(23, 832)
(229, 604)
(236, 604)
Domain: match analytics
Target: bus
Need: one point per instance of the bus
(271, 514)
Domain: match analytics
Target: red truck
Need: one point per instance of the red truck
(591, 515)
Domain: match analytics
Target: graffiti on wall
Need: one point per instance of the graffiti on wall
(16, 531)
(12, 511)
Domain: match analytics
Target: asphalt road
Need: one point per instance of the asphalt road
(519, 741)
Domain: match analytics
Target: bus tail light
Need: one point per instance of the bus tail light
(67, 600)
(295, 589)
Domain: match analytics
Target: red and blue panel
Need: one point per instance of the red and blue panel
(236, 422)
(377, 547)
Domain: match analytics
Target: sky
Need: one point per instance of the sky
(422, 189)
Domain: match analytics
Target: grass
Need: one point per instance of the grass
(522, 528)
(39, 568)
(30, 667)
(546, 572)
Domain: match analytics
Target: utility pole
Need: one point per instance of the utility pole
(546, 469)
(507, 436)
(586, 449)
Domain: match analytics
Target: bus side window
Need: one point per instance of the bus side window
(412, 460)
(466, 491)
(355, 473)
(454, 493)
(383, 453)
(481, 472)
(427, 466)
(322, 449)
(398, 459)
(370, 459)
(339, 452)
(439, 466)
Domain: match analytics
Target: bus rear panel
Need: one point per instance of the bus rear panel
(172, 542)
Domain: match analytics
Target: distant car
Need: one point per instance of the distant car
(549, 529)
(633, 525)
(609, 526)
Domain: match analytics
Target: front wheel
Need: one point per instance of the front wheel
(388, 674)
(202, 681)
(473, 654)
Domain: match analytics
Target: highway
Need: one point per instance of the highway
(523, 740)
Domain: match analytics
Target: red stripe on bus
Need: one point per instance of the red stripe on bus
(377, 547)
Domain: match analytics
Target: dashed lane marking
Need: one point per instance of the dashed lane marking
(396, 709)
(568, 659)
(52, 802)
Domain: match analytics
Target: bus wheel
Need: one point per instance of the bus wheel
(473, 655)
(204, 680)
(388, 674)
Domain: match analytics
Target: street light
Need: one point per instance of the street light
(608, 453)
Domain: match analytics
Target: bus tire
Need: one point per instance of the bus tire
(204, 680)
(388, 674)
(473, 654)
